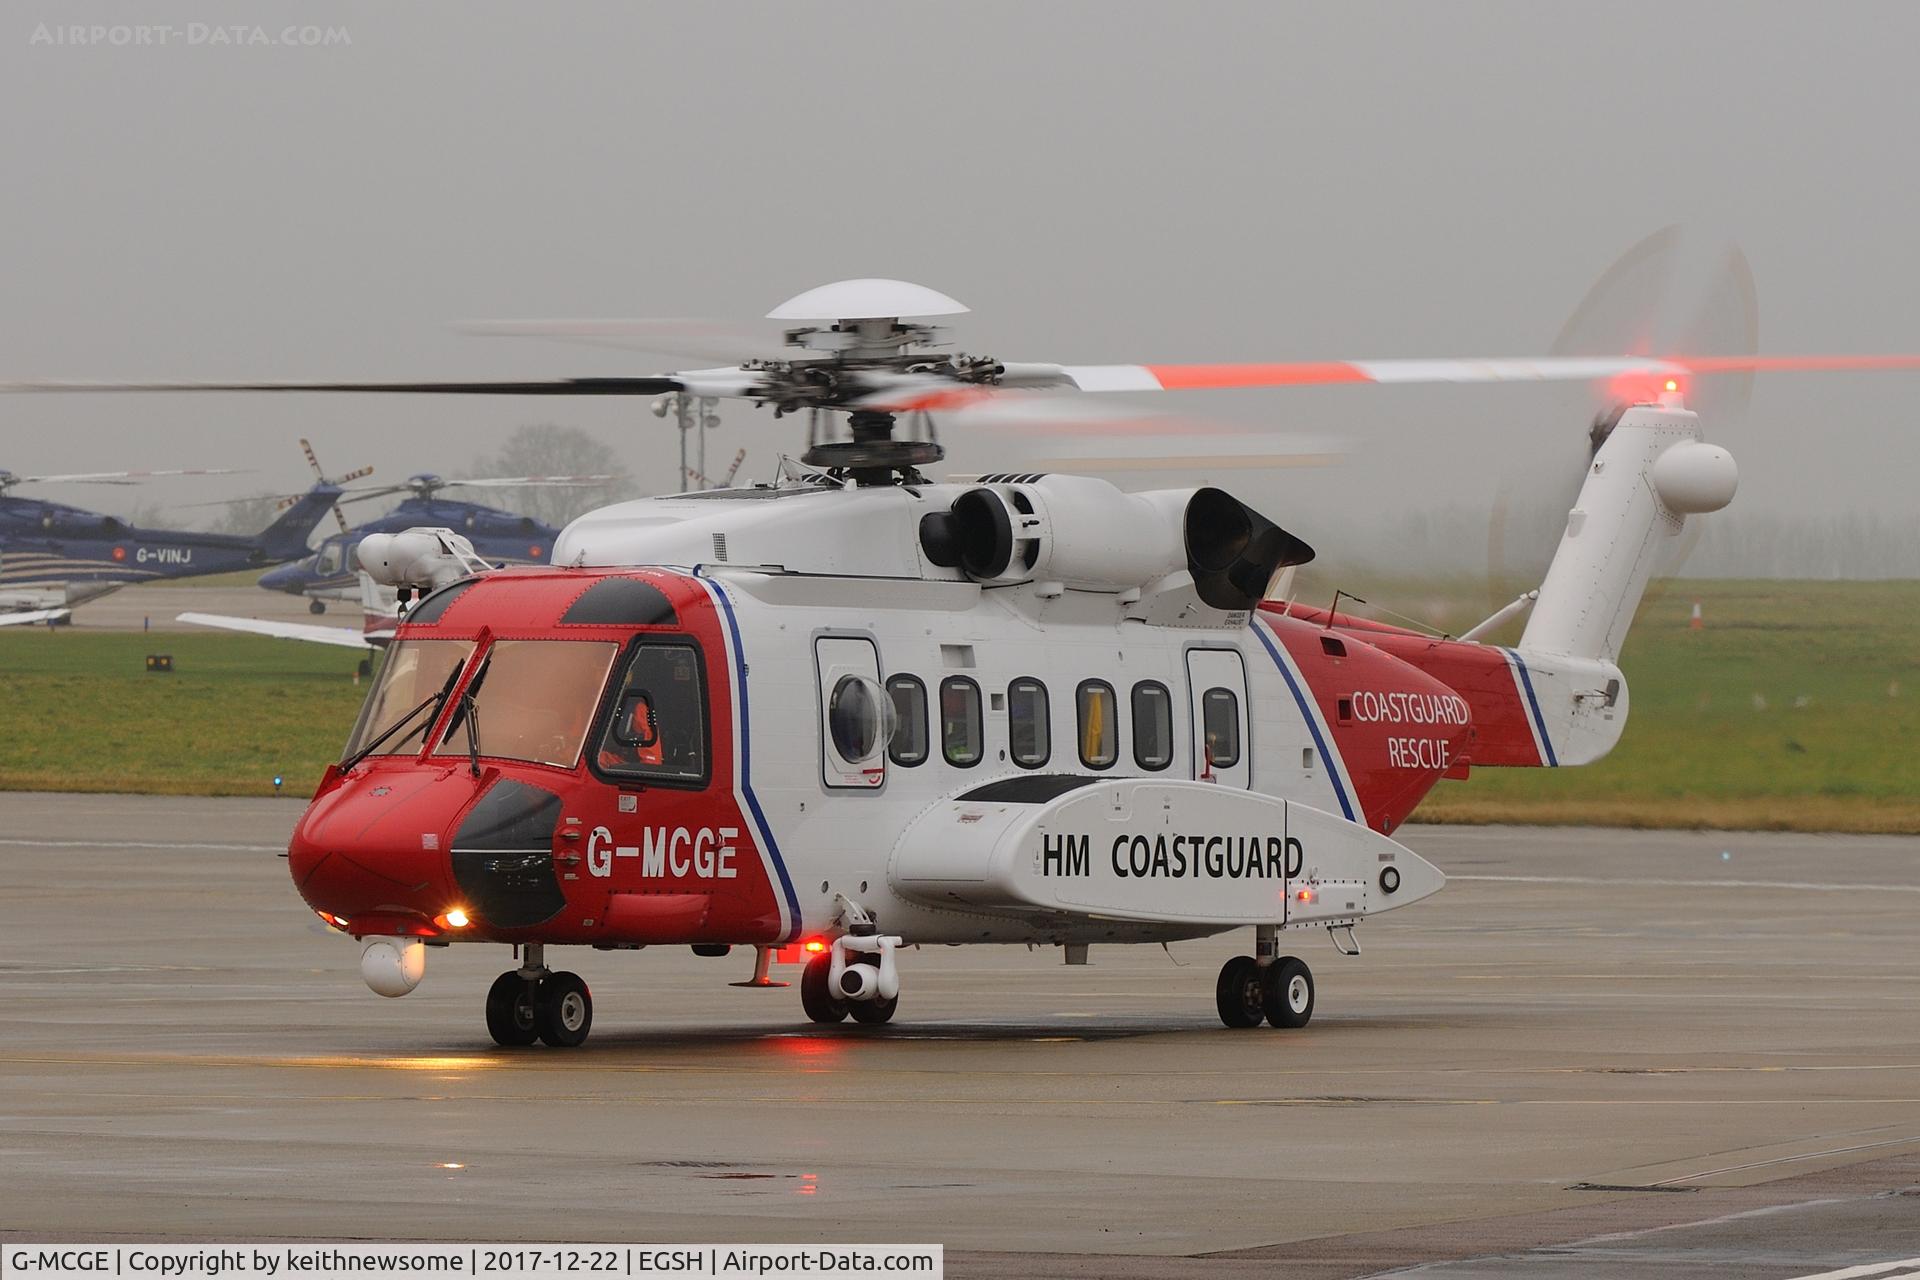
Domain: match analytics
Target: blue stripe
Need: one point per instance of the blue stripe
(746, 770)
(1533, 705)
(1313, 724)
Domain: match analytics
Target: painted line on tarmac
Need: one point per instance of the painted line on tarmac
(141, 844)
(1626, 883)
(1765, 1211)
(1866, 1269)
(1909, 1141)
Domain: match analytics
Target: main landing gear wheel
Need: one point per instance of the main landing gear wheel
(316, 606)
(1287, 992)
(563, 1010)
(511, 1018)
(816, 993)
(1239, 993)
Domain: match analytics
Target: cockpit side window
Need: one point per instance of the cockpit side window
(657, 729)
(332, 556)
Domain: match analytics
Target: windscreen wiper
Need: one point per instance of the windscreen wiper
(470, 712)
(394, 728)
(437, 701)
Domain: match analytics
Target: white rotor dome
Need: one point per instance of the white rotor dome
(870, 299)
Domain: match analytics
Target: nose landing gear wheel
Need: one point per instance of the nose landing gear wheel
(511, 1019)
(1238, 993)
(873, 1012)
(1287, 994)
(816, 994)
(563, 1010)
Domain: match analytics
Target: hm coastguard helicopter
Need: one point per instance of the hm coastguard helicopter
(854, 711)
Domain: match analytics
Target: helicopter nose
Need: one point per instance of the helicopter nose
(406, 849)
(287, 577)
(371, 852)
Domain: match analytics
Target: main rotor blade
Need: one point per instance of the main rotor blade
(1196, 377)
(699, 339)
(551, 387)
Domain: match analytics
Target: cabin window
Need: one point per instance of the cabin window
(856, 718)
(1099, 732)
(658, 729)
(1220, 716)
(332, 555)
(1029, 739)
(415, 671)
(1152, 725)
(909, 745)
(960, 722)
(532, 700)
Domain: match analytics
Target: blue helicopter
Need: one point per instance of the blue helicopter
(330, 572)
(54, 557)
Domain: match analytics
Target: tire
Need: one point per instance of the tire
(1287, 993)
(563, 1010)
(873, 1012)
(316, 606)
(1238, 993)
(816, 997)
(511, 1017)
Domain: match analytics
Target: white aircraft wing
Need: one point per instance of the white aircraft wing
(314, 633)
(32, 615)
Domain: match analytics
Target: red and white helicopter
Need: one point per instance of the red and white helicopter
(854, 710)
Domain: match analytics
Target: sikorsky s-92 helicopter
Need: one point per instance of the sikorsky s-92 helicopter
(853, 710)
(54, 557)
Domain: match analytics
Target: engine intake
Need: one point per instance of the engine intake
(1087, 534)
(1233, 551)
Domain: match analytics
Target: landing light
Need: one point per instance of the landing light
(331, 920)
(1673, 384)
(456, 919)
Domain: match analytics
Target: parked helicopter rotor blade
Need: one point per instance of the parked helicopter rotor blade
(532, 482)
(126, 477)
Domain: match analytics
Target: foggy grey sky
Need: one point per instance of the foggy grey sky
(1100, 183)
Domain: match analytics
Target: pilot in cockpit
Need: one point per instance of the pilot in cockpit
(657, 726)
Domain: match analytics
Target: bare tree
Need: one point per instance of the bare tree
(248, 515)
(549, 450)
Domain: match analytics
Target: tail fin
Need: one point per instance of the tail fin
(1650, 472)
(286, 538)
(1559, 698)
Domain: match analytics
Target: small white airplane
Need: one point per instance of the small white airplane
(380, 615)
